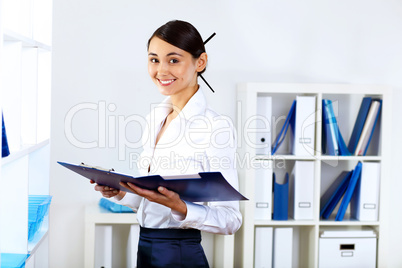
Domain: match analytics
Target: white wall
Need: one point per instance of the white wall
(99, 57)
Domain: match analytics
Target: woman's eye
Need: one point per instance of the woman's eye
(174, 61)
(153, 60)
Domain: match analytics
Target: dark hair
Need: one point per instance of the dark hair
(183, 35)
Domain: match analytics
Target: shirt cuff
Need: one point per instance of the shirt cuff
(129, 200)
(195, 216)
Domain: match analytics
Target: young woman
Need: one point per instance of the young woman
(185, 136)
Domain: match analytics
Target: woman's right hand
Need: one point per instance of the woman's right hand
(108, 192)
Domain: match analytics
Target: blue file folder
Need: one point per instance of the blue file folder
(330, 144)
(349, 192)
(334, 194)
(332, 137)
(358, 127)
(290, 121)
(281, 199)
(5, 151)
(201, 187)
(375, 123)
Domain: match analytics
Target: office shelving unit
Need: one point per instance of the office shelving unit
(348, 98)
(25, 72)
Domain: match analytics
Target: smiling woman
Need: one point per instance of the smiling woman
(170, 227)
(174, 70)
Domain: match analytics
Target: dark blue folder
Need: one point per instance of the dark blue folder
(358, 127)
(290, 121)
(5, 151)
(281, 199)
(201, 187)
(375, 123)
(334, 194)
(349, 192)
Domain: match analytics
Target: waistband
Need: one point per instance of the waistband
(169, 233)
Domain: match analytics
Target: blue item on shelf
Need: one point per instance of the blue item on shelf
(290, 121)
(359, 124)
(349, 192)
(332, 138)
(13, 260)
(109, 205)
(375, 122)
(38, 208)
(281, 199)
(5, 151)
(334, 194)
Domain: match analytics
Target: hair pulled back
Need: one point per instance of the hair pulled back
(183, 35)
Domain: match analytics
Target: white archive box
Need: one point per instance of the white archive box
(343, 248)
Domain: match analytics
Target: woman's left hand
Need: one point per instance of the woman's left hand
(163, 196)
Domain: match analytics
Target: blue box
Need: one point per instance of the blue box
(12, 260)
(113, 207)
(38, 208)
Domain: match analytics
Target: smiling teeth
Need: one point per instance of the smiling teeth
(165, 82)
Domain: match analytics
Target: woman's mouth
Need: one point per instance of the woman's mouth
(166, 82)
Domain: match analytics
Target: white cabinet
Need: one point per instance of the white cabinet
(25, 71)
(347, 98)
(218, 248)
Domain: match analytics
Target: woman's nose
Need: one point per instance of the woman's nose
(163, 68)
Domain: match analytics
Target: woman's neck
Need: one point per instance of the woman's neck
(180, 100)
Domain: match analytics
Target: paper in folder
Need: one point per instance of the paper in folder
(201, 187)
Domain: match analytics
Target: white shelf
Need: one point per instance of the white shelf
(346, 222)
(40, 236)
(9, 35)
(349, 98)
(318, 157)
(25, 59)
(350, 158)
(284, 223)
(283, 157)
(26, 150)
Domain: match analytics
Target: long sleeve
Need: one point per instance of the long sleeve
(217, 217)
(130, 200)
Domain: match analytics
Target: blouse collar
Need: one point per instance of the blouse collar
(196, 105)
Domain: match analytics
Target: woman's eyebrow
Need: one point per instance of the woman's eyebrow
(174, 54)
(169, 54)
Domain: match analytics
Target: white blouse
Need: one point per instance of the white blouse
(198, 140)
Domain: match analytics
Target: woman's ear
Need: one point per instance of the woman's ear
(202, 62)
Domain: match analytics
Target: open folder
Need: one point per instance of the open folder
(201, 187)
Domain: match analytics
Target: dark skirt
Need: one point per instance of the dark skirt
(170, 248)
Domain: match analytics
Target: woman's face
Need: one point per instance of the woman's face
(172, 69)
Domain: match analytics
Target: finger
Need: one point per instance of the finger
(128, 187)
(140, 191)
(166, 192)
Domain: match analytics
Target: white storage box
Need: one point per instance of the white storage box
(347, 248)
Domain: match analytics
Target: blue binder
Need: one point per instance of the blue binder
(358, 127)
(281, 199)
(290, 121)
(349, 192)
(329, 131)
(334, 194)
(332, 136)
(375, 123)
(343, 150)
(5, 151)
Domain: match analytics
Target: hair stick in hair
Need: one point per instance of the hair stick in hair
(209, 38)
(205, 81)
